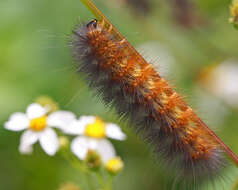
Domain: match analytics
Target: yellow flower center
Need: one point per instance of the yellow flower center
(38, 124)
(114, 165)
(96, 129)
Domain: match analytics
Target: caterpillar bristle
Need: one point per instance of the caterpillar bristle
(126, 81)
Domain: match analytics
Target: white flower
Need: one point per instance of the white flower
(92, 133)
(80, 146)
(84, 147)
(162, 58)
(36, 124)
(222, 80)
(94, 127)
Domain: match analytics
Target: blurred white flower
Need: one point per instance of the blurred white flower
(36, 124)
(92, 133)
(160, 56)
(80, 146)
(94, 127)
(210, 108)
(222, 80)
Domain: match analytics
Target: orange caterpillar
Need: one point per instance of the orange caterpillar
(125, 80)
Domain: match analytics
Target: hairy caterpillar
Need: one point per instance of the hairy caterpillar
(124, 79)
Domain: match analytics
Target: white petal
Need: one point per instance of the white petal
(113, 131)
(17, 122)
(85, 120)
(81, 145)
(60, 119)
(77, 127)
(106, 150)
(28, 138)
(49, 141)
(35, 110)
(25, 149)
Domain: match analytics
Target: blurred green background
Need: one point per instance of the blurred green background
(35, 59)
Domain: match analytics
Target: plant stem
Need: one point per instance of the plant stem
(79, 166)
(234, 187)
(106, 184)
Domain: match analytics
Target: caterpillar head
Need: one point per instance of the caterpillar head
(92, 23)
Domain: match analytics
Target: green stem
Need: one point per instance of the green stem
(235, 185)
(74, 162)
(109, 182)
(89, 181)
(100, 179)
(106, 184)
(79, 166)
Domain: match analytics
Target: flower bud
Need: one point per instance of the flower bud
(48, 102)
(114, 165)
(69, 186)
(93, 160)
(234, 13)
(63, 142)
